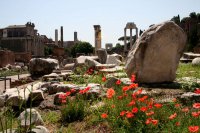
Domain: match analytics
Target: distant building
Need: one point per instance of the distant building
(23, 38)
(70, 44)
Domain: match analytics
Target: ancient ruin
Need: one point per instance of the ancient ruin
(97, 37)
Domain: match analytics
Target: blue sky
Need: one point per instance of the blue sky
(81, 15)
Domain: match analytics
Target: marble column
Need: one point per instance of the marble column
(125, 45)
(131, 39)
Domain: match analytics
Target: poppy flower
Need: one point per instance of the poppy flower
(113, 106)
(131, 103)
(135, 110)
(119, 97)
(63, 101)
(196, 105)
(195, 114)
(177, 105)
(133, 78)
(118, 82)
(133, 86)
(149, 113)
(68, 93)
(193, 129)
(122, 113)
(143, 109)
(177, 123)
(157, 105)
(104, 79)
(186, 109)
(154, 122)
(104, 115)
(125, 88)
(110, 93)
(171, 117)
(72, 90)
(148, 121)
(129, 115)
(142, 98)
(197, 91)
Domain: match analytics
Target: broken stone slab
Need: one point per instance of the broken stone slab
(103, 66)
(155, 56)
(188, 80)
(189, 97)
(52, 88)
(18, 98)
(111, 59)
(94, 88)
(102, 55)
(50, 76)
(117, 75)
(112, 82)
(69, 66)
(66, 87)
(190, 55)
(81, 59)
(112, 70)
(36, 95)
(119, 57)
(126, 81)
(36, 118)
(40, 129)
(91, 63)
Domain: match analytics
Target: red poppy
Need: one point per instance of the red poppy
(125, 88)
(193, 129)
(125, 95)
(133, 86)
(131, 103)
(110, 93)
(177, 124)
(63, 101)
(104, 115)
(195, 114)
(150, 113)
(68, 93)
(154, 122)
(133, 78)
(186, 109)
(119, 97)
(171, 117)
(157, 105)
(72, 90)
(113, 106)
(177, 105)
(118, 82)
(122, 113)
(196, 105)
(142, 98)
(143, 109)
(84, 90)
(197, 91)
(139, 92)
(148, 121)
(104, 79)
(129, 115)
(135, 110)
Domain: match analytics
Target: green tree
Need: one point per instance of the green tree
(193, 15)
(48, 51)
(81, 47)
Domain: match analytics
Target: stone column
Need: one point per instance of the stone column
(75, 36)
(136, 33)
(61, 35)
(56, 37)
(97, 35)
(125, 45)
(131, 39)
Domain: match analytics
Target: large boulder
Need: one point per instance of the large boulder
(102, 55)
(41, 66)
(155, 55)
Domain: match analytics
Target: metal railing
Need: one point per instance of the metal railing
(5, 79)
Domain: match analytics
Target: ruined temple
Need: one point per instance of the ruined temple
(22, 39)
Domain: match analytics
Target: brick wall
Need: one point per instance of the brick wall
(6, 57)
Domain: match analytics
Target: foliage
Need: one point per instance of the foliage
(81, 47)
(73, 110)
(11, 72)
(48, 51)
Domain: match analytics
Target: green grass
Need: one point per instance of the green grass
(11, 72)
(188, 70)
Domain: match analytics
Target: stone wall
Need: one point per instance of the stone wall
(23, 57)
(6, 57)
(58, 51)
